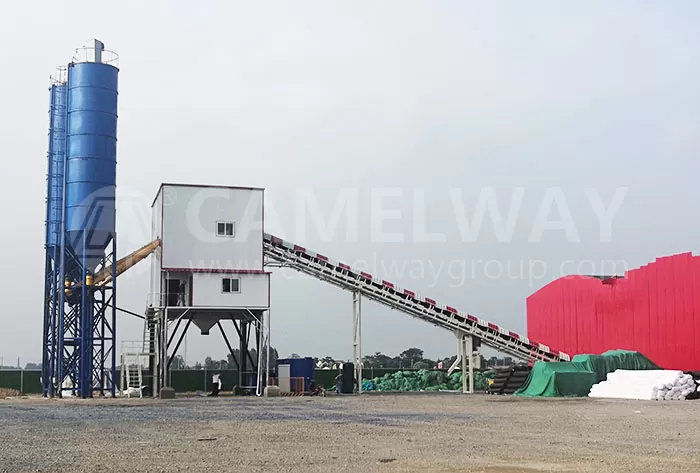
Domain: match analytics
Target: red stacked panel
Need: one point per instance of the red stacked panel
(654, 309)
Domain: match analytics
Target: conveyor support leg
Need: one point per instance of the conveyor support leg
(357, 337)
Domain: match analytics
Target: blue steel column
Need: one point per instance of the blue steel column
(60, 349)
(114, 314)
(85, 329)
(46, 373)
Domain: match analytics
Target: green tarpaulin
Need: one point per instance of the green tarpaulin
(423, 380)
(576, 378)
(557, 379)
(613, 360)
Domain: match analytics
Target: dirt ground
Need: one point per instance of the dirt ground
(373, 433)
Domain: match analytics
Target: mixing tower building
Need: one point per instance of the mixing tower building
(208, 271)
(80, 299)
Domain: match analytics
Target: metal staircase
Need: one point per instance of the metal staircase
(136, 355)
(299, 258)
(149, 344)
(131, 370)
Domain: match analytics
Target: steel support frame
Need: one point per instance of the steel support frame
(264, 368)
(86, 351)
(258, 324)
(68, 310)
(228, 344)
(103, 315)
(49, 340)
(163, 345)
(179, 340)
(465, 360)
(243, 330)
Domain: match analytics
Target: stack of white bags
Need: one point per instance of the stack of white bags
(660, 385)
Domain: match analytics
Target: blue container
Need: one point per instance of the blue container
(299, 368)
(57, 155)
(91, 160)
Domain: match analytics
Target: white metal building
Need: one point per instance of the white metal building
(211, 252)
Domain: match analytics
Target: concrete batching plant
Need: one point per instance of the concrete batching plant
(209, 266)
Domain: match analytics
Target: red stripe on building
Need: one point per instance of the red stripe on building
(216, 271)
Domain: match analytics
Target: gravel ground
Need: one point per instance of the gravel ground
(378, 433)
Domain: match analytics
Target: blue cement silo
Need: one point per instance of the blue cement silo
(91, 160)
(54, 219)
(79, 315)
(57, 155)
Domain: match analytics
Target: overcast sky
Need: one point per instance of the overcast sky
(436, 103)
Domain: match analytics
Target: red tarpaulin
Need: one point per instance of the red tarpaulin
(654, 310)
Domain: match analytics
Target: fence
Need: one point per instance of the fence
(29, 381)
(24, 381)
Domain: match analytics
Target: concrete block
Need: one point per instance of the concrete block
(167, 393)
(272, 391)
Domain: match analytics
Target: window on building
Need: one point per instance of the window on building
(224, 229)
(230, 285)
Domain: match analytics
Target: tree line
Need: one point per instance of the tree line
(411, 358)
(231, 362)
